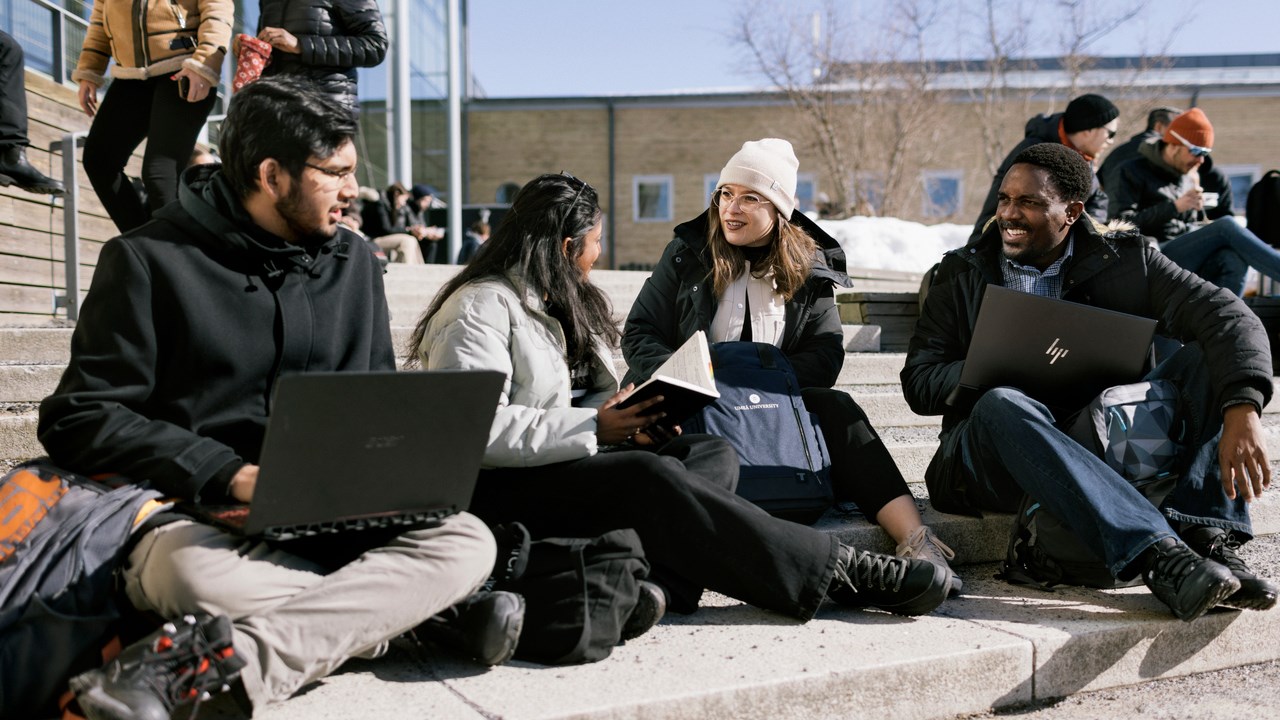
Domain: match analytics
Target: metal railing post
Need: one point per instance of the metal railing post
(70, 222)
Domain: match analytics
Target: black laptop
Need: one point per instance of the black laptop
(1058, 352)
(352, 451)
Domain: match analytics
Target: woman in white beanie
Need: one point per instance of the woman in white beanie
(752, 268)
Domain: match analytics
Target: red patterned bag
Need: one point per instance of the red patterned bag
(252, 56)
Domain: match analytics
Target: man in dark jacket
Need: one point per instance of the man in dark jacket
(189, 321)
(1002, 443)
(1087, 126)
(1170, 194)
(1157, 122)
(323, 41)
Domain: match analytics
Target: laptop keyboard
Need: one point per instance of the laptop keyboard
(407, 521)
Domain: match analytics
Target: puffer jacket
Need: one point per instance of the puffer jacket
(1147, 187)
(1040, 129)
(335, 37)
(189, 321)
(1115, 270)
(502, 324)
(678, 300)
(152, 38)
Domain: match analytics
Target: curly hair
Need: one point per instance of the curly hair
(1069, 172)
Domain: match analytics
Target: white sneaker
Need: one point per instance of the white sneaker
(922, 544)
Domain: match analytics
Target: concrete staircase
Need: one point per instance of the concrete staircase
(995, 646)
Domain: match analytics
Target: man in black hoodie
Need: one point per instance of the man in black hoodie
(189, 321)
(1088, 126)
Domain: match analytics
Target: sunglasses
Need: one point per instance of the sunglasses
(1111, 134)
(569, 211)
(1194, 149)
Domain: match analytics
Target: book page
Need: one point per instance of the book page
(691, 363)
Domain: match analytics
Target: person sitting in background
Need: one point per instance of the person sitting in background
(767, 274)
(1157, 122)
(476, 236)
(387, 224)
(1168, 193)
(430, 236)
(1088, 126)
(15, 169)
(203, 155)
(567, 461)
(323, 41)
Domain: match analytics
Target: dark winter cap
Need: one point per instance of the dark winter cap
(1088, 112)
(421, 191)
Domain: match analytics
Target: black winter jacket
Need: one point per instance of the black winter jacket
(188, 322)
(1040, 129)
(335, 37)
(1117, 271)
(678, 300)
(1148, 186)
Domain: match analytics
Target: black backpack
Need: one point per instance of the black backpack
(61, 539)
(1139, 432)
(785, 466)
(578, 592)
(1262, 208)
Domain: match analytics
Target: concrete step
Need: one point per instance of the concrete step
(994, 647)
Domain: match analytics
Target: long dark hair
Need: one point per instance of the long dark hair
(528, 244)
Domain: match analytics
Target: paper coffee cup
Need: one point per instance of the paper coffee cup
(1210, 200)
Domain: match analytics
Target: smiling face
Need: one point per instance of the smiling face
(1034, 220)
(591, 248)
(311, 208)
(746, 218)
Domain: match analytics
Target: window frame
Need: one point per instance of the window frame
(668, 212)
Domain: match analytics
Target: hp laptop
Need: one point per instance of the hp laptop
(350, 451)
(1058, 352)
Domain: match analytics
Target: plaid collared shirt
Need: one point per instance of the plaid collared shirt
(1027, 279)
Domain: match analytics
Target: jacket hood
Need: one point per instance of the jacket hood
(1044, 127)
(213, 216)
(828, 264)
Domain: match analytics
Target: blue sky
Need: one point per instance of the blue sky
(524, 48)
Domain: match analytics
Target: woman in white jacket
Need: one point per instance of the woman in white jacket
(564, 460)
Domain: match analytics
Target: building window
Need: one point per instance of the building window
(651, 198)
(1242, 178)
(709, 182)
(868, 193)
(506, 192)
(806, 192)
(942, 192)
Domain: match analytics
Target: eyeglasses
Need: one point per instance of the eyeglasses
(340, 175)
(1111, 134)
(1195, 149)
(569, 211)
(746, 201)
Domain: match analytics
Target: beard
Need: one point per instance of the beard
(296, 215)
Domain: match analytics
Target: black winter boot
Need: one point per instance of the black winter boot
(15, 170)
(179, 666)
(485, 627)
(1189, 584)
(1220, 546)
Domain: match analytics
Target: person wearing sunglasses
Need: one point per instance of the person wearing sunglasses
(1172, 195)
(1088, 126)
(753, 268)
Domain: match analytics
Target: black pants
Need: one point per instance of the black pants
(134, 110)
(13, 93)
(862, 470)
(696, 533)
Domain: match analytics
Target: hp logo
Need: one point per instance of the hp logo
(1055, 351)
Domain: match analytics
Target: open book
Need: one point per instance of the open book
(684, 381)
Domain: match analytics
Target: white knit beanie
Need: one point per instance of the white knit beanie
(767, 167)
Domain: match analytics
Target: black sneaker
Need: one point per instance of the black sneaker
(650, 608)
(1220, 546)
(904, 586)
(485, 627)
(180, 665)
(1187, 583)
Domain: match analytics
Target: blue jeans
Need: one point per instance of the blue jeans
(1012, 444)
(1221, 252)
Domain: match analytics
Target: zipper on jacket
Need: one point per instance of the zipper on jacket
(178, 15)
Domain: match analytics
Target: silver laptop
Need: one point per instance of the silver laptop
(1058, 352)
(352, 451)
